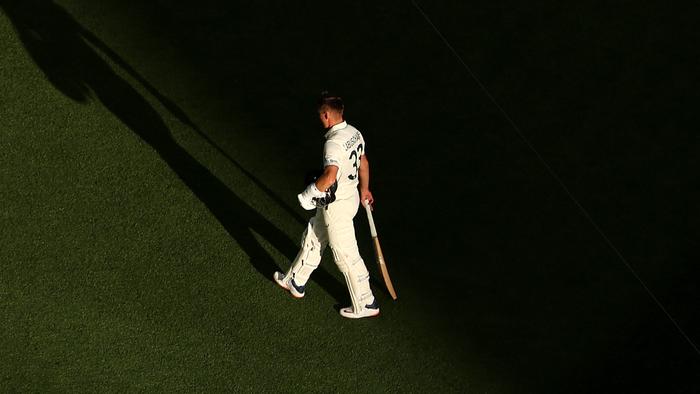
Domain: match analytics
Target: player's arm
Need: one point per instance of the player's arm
(327, 179)
(318, 188)
(363, 172)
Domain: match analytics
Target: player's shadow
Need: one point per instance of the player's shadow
(72, 59)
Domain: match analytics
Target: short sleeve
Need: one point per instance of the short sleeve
(332, 154)
(363, 144)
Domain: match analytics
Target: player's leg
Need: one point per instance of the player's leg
(313, 243)
(341, 237)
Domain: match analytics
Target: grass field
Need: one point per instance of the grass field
(152, 151)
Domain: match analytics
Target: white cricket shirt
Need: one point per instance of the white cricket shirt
(343, 148)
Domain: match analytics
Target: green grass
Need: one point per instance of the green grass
(117, 277)
(152, 152)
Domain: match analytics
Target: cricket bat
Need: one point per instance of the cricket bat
(378, 252)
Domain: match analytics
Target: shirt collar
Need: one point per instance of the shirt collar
(335, 128)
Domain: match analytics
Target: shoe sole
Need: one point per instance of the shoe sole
(353, 316)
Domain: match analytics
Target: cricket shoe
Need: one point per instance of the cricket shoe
(369, 310)
(296, 290)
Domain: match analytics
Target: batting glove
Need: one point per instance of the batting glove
(306, 198)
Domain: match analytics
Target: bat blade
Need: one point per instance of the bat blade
(383, 269)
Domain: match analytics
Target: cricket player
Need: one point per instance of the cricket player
(335, 197)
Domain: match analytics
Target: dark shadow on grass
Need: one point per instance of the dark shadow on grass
(67, 54)
(514, 278)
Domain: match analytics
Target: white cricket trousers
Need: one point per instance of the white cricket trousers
(333, 226)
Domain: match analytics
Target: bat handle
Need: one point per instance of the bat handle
(370, 219)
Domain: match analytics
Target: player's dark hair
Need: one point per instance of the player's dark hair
(328, 101)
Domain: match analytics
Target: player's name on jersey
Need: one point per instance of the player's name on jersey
(351, 142)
